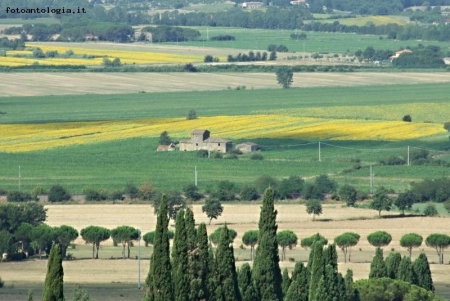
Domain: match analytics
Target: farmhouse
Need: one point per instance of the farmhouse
(247, 147)
(200, 139)
(298, 2)
(398, 53)
(166, 148)
(252, 5)
(446, 60)
(143, 36)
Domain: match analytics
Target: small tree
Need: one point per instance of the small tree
(54, 280)
(124, 235)
(64, 236)
(405, 201)
(175, 203)
(381, 201)
(379, 239)
(5, 242)
(192, 114)
(57, 193)
(216, 235)
(95, 235)
(250, 238)
(345, 242)
(286, 238)
(191, 192)
(378, 266)
(213, 209)
(314, 207)
(164, 138)
(410, 241)
(430, 210)
(249, 193)
(407, 118)
(349, 194)
(439, 242)
(309, 241)
(273, 56)
(285, 77)
(131, 190)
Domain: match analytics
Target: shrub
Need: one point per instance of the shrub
(18, 196)
(57, 193)
(192, 114)
(282, 48)
(93, 194)
(249, 193)
(223, 38)
(3, 191)
(2, 283)
(189, 68)
(231, 156)
(256, 157)
(407, 118)
(430, 210)
(236, 151)
(298, 36)
(116, 195)
(393, 160)
(216, 155)
(203, 153)
(272, 47)
(131, 190)
(38, 191)
(191, 192)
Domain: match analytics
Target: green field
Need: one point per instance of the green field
(259, 39)
(111, 164)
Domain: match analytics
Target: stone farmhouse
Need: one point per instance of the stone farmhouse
(200, 139)
(252, 5)
(247, 147)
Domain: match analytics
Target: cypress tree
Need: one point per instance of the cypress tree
(350, 291)
(199, 267)
(378, 266)
(54, 280)
(405, 271)
(266, 271)
(286, 281)
(321, 293)
(334, 284)
(226, 269)
(298, 290)
(248, 291)
(317, 271)
(180, 259)
(190, 229)
(213, 284)
(159, 279)
(392, 264)
(421, 269)
(331, 257)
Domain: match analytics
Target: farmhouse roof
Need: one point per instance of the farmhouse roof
(199, 131)
(248, 143)
(216, 140)
(185, 141)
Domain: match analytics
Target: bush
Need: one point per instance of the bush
(216, 155)
(203, 153)
(3, 191)
(236, 151)
(282, 48)
(116, 195)
(2, 283)
(231, 156)
(393, 160)
(430, 210)
(191, 192)
(407, 118)
(272, 47)
(249, 193)
(223, 38)
(131, 190)
(93, 194)
(256, 157)
(192, 114)
(298, 36)
(18, 196)
(189, 68)
(57, 193)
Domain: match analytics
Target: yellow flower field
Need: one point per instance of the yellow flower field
(126, 57)
(30, 137)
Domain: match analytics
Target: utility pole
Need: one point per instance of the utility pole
(408, 155)
(19, 177)
(195, 173)
(207, 34)
(371, 180)
(320, 159)
(139, 260)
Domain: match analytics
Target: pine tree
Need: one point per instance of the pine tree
(421, 269)
(159, 279)
(317, 271)
(54, 280)
(331, 257)
(248, 291)
(266, 271)
(378, 266)
(286, 281)
(392, 264)
(405, 271)
(180, 259)
(226, 269)
(200, 267)
(190, 229)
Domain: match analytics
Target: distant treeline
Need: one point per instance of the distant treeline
(166, 33)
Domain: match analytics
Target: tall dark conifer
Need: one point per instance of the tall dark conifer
(392, 264)
(286, 281)
(159, 279)
(200, 267)
(378, 266)
(422, 273)
(248, 291)
(350, 291)
(331, 257)
(180, 263)
(190, 230)
(266, 271)
(405, 271)
(54, 280)
(317, 271)
(226, 269)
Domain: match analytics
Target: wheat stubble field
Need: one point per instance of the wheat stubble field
(62, 83)
(110, 270)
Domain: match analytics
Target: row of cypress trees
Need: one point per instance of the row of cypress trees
(193, 271)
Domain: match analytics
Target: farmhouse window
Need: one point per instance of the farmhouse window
(219, 144)
(196, 144)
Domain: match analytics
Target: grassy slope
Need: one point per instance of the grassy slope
(111, 165)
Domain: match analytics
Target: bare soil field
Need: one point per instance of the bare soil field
(38, 84)
(110, 269)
